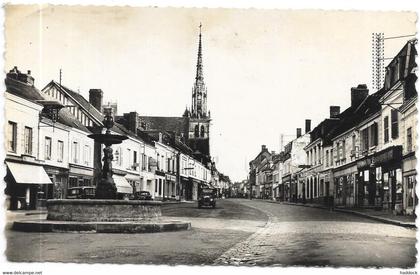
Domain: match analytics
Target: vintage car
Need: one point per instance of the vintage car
(207, 198)
(143, 195)
(82, 192)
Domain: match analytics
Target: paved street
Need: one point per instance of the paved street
(237, 232)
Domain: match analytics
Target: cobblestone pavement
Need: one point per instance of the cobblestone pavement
(305, 236)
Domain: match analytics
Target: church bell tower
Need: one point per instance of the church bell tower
(199, 117)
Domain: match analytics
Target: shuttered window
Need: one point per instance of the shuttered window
(394, 124)
(386, 129)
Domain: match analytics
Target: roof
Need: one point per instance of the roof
(168, 124)
(31, 93)
(67, 118)
(353, 115)
(23, 90)
(79, 99)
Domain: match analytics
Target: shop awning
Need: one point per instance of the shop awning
(28, 173)
(122, 185)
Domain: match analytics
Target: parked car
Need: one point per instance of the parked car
(207, 197)
(143, 195)
(82, 192)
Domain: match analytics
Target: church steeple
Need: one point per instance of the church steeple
(199, 92)
(199, 73)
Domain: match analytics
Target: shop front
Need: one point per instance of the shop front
(409, 184)
(24, 185)
(345, 178)
(326, 188)
(134, 180)
(380, 182)
(286, 180)
(59, 177)
(170, 187)
(388, 165)
(79, 176)
(159, 183)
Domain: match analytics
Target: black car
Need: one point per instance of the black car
(143, 195)
(82, 192)
(207, 198)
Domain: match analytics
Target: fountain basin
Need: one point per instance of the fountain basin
(103, 210)
(108, 139)
(102, 216)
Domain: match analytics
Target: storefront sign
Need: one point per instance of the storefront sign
(390, 154)
(170, 177)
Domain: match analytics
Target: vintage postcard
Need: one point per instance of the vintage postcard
(210, 136)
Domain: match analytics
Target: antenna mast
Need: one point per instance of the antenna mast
(378, 71)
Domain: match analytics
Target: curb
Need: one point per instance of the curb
(384, 220)
(351, 212)
(100, 227)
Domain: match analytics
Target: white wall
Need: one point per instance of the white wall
(25, 114)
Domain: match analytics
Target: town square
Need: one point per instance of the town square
(217, 137)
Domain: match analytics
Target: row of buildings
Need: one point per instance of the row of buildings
(363, 156)
(49, 152)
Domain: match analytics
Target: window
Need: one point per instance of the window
(143, 162)
(129, 156)
(394, 124)
(373, 134)
(75, 152)
(332, 158)
(196, 131)
(364, 136)
(11, 136)
(160, 187)
(156, 185)
(47, 152)
(409, 140)
(60, 151)
(135, 160)
(202, 131)
(327, 158)
(28, 140)
(386, 129)
(149, 166)
(343, 146)
(72, 182)
(86, 154)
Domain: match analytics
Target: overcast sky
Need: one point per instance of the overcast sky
(266, 70)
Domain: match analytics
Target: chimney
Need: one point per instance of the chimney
(263, 148)
(298, 132)
(307, 125)
(334, 111)
(96, 98)
(132, 119)
(358, 94)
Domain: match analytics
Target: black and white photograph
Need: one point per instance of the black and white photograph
(203, 136)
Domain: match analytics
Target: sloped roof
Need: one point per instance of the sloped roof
(67, 118)
(356, 114)
(23, 90)
(79, 99)
(31, 93)
(169, 124)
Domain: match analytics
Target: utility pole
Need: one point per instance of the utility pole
(60, 76)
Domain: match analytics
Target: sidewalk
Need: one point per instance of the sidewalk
(381, 216)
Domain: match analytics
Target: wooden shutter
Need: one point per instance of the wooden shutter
(394, 124)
